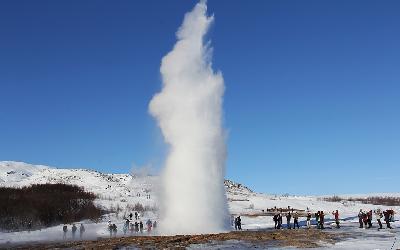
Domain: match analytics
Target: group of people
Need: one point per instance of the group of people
(74, 229)
(131, 225)
(278, 217)
(136, 226)
(365, 218)
(112, 228)
(137, 216)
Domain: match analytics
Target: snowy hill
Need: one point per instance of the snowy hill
(112, 189)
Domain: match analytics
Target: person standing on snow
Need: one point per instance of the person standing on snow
(369, 219)
(288, 218)
(321, 219)
(280, 220)
(336, 214)
(365, 220)
(317, 218)
(296, 220)
(136, 227)
(110, 228)
(360, 218)
(149, 225)
(391, 215)
(126, 226)
(379, 216)
(386, 214)
(131, 227)
(74, 228)
(236, 224)
(141, 226)
(81, 231)
(309, 220)
(239, 222)
(275, 219)
(65, 230)
(114, 230)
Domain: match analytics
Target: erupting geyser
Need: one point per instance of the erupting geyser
(189, 112)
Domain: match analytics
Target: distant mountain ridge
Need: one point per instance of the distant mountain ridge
(16, 171)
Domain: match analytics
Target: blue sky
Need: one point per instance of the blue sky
(312, 101)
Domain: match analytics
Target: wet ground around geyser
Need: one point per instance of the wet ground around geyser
(347, 237)
(244, 239)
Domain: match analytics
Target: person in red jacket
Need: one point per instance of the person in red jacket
(336, 214)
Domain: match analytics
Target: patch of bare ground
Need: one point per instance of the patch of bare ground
(278, 238)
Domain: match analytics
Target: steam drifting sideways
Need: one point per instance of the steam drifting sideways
(189, 113)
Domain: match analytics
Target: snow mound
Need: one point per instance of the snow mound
(18, 171)
(236, 188)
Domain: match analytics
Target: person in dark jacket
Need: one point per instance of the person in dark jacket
(279, 220)
(136, 227)
(288, 218)
(275, 218)
(386, 214)
(74, 228)
(141, 227)
(317, 219)
(114, 229)
(296, 220)
(360, 218)
(65, 230)
(239, 223)
(321, 219)
(236, 224)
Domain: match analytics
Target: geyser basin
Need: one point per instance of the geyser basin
(189, 113)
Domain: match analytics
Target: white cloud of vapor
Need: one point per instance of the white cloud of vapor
(189, 112)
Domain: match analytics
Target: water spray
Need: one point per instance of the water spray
(188, 111)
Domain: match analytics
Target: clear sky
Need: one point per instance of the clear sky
(312, 101)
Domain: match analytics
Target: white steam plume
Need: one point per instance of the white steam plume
(189, 112)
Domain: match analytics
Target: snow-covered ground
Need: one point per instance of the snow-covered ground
(124, 190)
